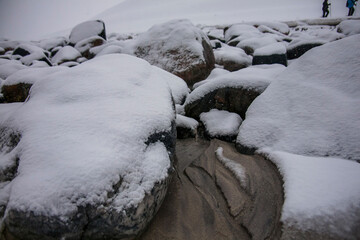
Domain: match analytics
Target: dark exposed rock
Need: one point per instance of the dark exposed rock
(30, 53)
(9, 139)
(235, 100)
(21, 51)
(271, 59)
(299, 49)
(232, 66)
(183, 132)
(15, 93)
(86, 30)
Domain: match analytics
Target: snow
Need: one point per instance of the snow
(87, 43)
(216, 72)
(321, 193)
(32, 75)
(257, 42)
(279, 27)
(221, 122)
(49, 44)
(85, 30)
(275, 48)
(65, 54)
(233, 54)
(186, 122)
(110, 49)
(349, 27)
(236, 168)
(9, 68)
(313, 107)
(162, 40)
(85, 128)
(239, 30)
(254, 77)
(35, 53)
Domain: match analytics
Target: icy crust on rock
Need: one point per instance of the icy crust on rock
(255, 77)
(313, 107)
(221, 122)
(163, 43)
(31, 75)
(85, 131)
(322, 194)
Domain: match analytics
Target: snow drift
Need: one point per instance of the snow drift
(313, 108)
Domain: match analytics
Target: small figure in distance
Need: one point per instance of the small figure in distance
(325, 8)
(351, 5)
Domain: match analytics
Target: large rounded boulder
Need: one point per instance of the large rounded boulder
(90, 154)
(178, 47)
(86, 30)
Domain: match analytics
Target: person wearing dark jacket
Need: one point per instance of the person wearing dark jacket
(351, 5)
(325, 8)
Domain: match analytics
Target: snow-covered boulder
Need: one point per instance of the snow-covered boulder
(298, 47)
(322, 196)
(110, 50)
(232, 58)
(51, 43)
(9, 45)
(240, 30)
(278, 28)
(86, 30)
(9, 67)
(312, 108)
(270, 54)
(249, 45)
(215, 34)
(17, 86)
(349, 27)
(233, 92)
(30, 53)
(2, 51)
(178, 47)
(215, 73)
(186, 127)
(84, 46)
(221, 124)
(95, 153)
(65, 54)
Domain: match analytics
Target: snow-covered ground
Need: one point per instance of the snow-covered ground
(306, 121)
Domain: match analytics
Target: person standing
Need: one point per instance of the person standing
(351, 5)
(325, 8)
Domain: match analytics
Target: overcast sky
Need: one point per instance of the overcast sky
(39, 19)
(34, 19)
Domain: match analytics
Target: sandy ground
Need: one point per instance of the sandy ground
(206, 200)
